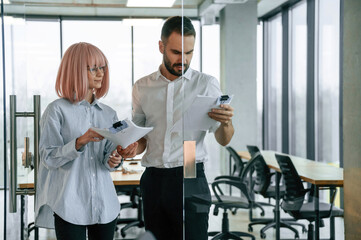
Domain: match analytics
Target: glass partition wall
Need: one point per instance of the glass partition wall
(34, 46)
(35, 41)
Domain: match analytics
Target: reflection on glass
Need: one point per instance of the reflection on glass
(298, 79)
(274, 80)
(328, 81)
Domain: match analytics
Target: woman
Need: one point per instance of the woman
(75, 191)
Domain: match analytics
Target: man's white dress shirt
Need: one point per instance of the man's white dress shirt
(160, 103)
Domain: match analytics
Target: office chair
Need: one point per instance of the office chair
(136, 203)
(238, 164)
(228, 202)
(294, 199)
(262, 186)
(236, 172)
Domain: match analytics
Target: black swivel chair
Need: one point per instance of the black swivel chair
(229, 202)
(237, 168)
(294, 199)
(135, 203)
(238, 164)
(262, 186)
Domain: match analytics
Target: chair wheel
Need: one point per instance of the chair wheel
(262, 214)
(263, 235)
(304, 230)
(297, 236)
(122, 233)
(250, 229)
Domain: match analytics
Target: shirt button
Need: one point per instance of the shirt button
(91, 157)
(93, 174)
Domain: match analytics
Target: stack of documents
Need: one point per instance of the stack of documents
(128, 133)
(196, 116)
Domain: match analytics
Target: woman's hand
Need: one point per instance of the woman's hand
(89, 136)
(114, 159)
(128, 152)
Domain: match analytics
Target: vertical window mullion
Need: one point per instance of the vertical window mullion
(310, 118)
(265, 118)
(285, 79)
(61, 36)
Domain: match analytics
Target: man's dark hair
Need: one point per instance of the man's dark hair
(174, 24)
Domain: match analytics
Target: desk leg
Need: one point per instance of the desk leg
(317, 210)
(277, 208)
(250, 190)
(36, 231)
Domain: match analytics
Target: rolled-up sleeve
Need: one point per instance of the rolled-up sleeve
(214, 91)
(137, 113)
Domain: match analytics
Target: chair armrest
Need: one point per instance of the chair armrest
(333, 195)
(333, 191)
(237, 184)
(232, 178)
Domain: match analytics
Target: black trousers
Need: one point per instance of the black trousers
(68, 231)
(163, 201)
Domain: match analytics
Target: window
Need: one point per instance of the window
(298, 79)
(114, 39)
(273, 84)
(327, 78)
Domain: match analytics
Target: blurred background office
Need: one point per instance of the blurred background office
(293, 66)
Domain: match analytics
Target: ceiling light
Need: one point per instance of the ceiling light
(142, 21)
(150, 3)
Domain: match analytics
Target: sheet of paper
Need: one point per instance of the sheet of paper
(126, 136)
(196, 116)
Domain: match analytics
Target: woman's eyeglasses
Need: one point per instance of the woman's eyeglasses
(94, 70)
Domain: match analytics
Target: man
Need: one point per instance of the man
(159, 100)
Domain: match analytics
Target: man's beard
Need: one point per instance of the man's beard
(170, 67)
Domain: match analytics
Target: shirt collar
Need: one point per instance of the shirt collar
(94, 103)
(187, 75)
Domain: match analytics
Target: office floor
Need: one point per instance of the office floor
(238, 222)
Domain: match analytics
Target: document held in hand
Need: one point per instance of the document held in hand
(196, 116)
(124, 132)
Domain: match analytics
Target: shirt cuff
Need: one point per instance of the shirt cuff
(70, 149)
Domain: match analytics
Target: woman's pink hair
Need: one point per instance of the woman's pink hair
(72, 80)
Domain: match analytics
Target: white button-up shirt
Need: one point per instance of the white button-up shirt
(160, 103)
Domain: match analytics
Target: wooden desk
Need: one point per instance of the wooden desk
(119, 178)
(317, 173)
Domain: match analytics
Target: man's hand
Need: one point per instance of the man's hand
(223, 115)
(114, 159)
(128, 152)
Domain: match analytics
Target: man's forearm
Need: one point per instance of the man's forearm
(224, 133)
(142, 143)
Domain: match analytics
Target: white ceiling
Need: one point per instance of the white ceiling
(117, 8)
